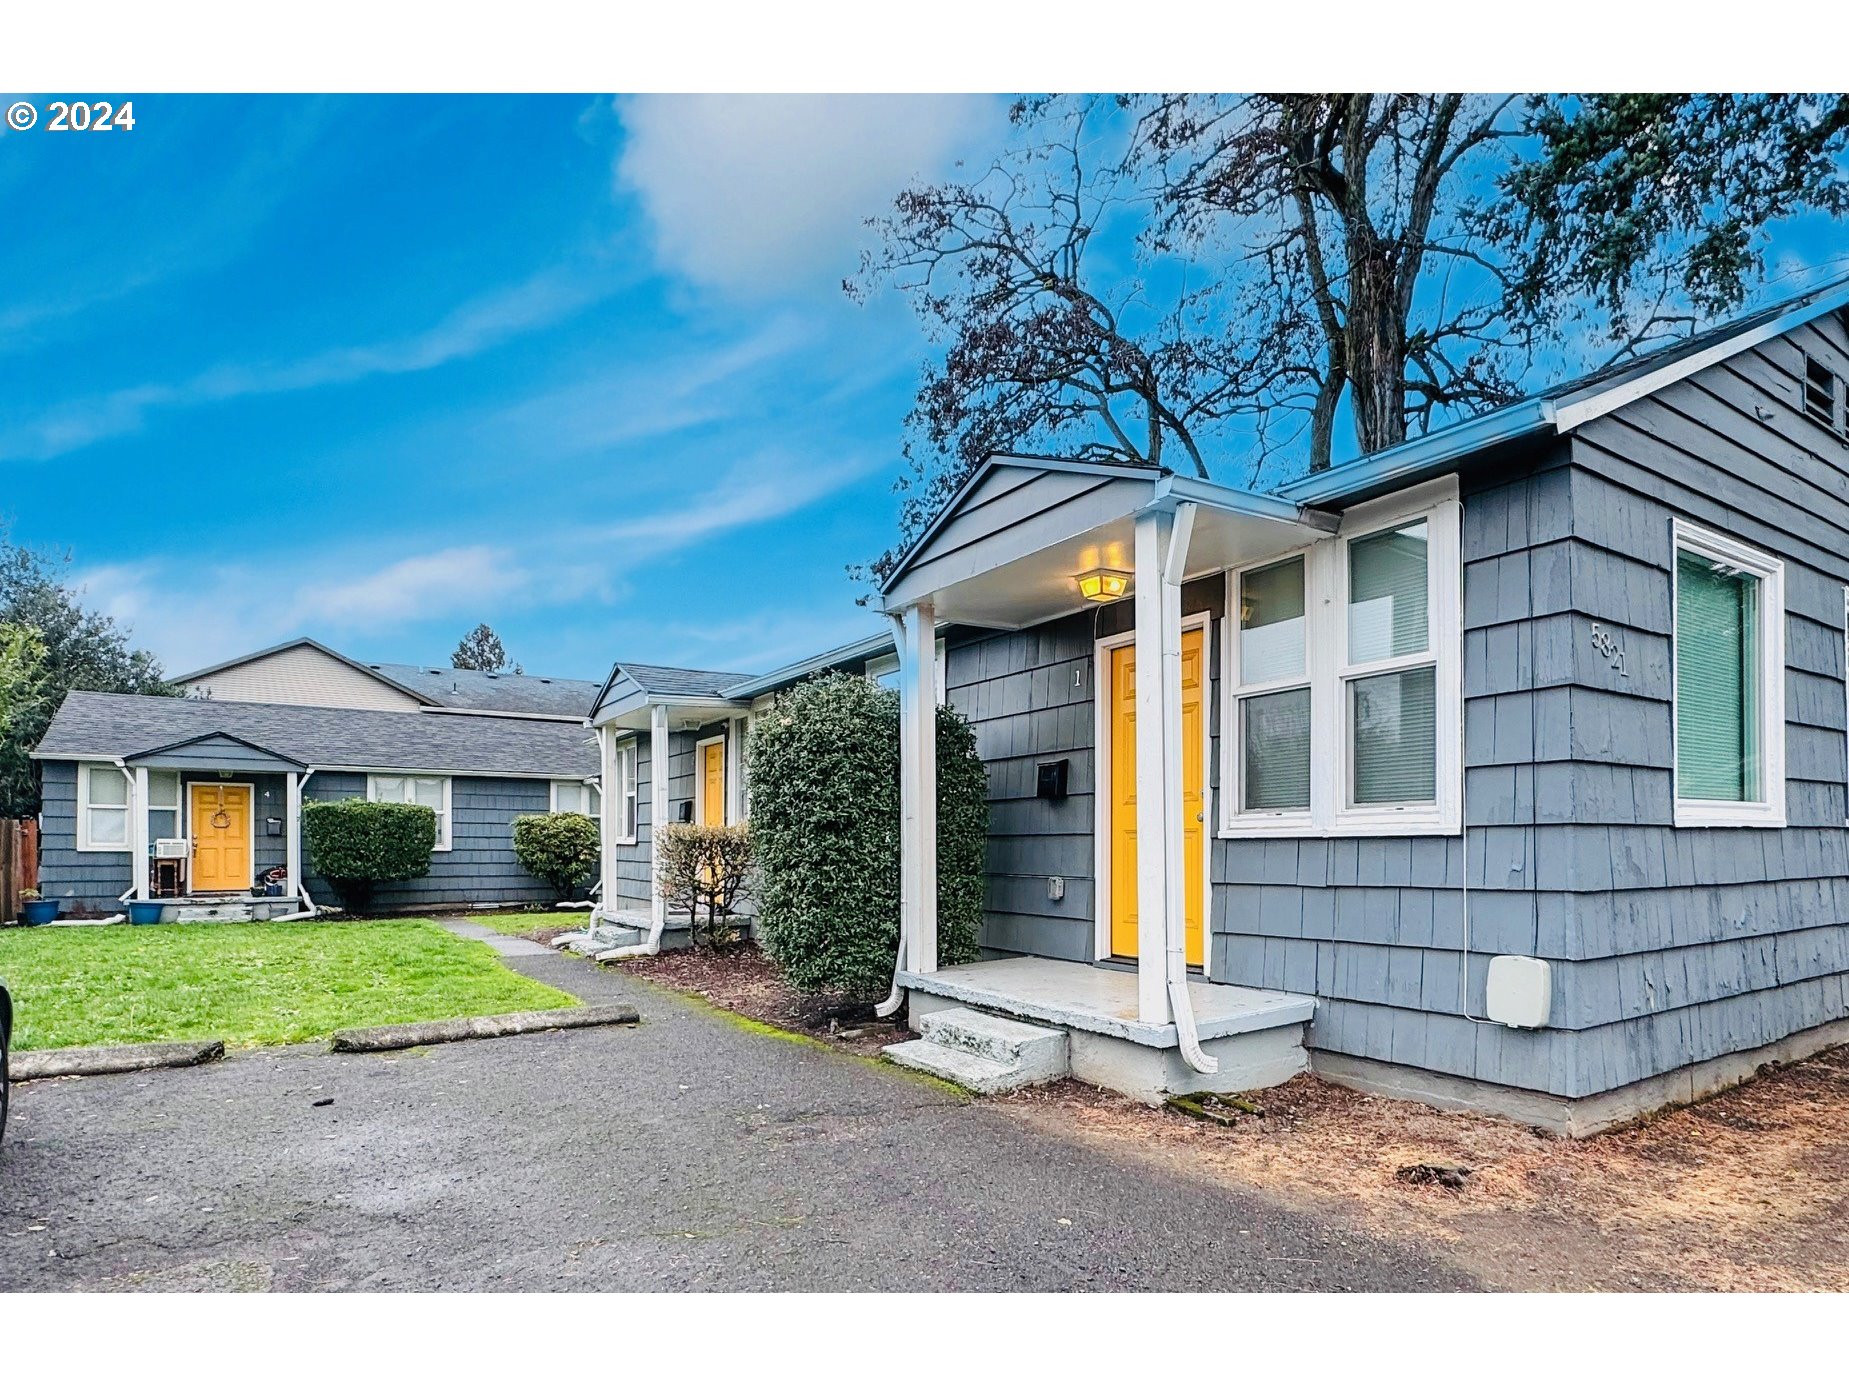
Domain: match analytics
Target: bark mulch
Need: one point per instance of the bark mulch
(1748, 1190)
(745, 981)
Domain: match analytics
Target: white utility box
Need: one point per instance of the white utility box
(1521, 991)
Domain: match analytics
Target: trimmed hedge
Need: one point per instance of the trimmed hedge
(825, 818)
(353, 844)
(559, 848)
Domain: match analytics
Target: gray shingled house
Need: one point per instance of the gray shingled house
(695, 721)
(193, 800)
(1503, 768)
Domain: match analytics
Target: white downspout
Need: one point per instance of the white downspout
(1176, 915)
(896, 997)
(309, 908)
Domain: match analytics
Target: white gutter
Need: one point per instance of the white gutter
(1181, 1004)
(896, 997)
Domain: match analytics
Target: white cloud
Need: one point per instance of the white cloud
(192, 618)
(767, 195)
(471, 328)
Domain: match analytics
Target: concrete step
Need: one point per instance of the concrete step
(1031, 1047)
(970, 1071)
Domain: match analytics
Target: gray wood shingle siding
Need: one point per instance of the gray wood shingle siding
(1670, 946)
(480, 865)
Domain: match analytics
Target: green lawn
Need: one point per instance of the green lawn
(525, 921)
(249, 984)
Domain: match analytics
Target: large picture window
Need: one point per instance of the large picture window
(1345, 704)
(1729, 682)
(432, 791)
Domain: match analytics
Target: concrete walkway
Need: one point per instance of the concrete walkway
(690, 1152)
(507, 945)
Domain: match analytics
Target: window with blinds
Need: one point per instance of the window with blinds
(1274, 726)
(1716, 675)
(1392, 715)
(1344, 701)
(1729, 682)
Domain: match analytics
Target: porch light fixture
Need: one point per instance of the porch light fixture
(1103, 584)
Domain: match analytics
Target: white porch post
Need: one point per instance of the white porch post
(138, 830)
(1158, 708)
(918, 783)
(607, 791)
(658, 809)
(292, 831)
(735, 770)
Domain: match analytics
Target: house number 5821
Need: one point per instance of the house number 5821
(1607, 645)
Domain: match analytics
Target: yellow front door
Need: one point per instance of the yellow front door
(221, 836)
(712, 784)
(1193, 794)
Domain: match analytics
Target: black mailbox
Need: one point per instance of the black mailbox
(1051, 779)
(686, 814)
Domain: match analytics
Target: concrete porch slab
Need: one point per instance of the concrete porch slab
(1103, 1000)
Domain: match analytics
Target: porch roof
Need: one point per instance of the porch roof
(1008, 549)
(215, 750)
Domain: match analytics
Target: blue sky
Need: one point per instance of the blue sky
(373, 370)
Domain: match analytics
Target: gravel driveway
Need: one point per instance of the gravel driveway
(687, 1153)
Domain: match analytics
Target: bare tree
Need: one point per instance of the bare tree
(1164, 280)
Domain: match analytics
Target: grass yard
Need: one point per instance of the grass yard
(530, 921)
(249, 984)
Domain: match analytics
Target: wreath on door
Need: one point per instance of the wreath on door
(221, 820)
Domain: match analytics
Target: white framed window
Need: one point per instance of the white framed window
(102, 808)
(1728, 682)
(1268, 659)
(1345, 707)
(163, 804)
(432, 791)
(576, 796)
(623, 793)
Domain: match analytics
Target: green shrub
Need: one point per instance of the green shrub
(825, 817)
(353, 844)
(699, 865)
(559, 848)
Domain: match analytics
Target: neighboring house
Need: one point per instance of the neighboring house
(696, 721)
(1503, 768)
(193, 799)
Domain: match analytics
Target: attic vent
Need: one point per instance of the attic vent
(1822, 389)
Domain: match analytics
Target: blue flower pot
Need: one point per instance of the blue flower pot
(144, 911)
(39, 911)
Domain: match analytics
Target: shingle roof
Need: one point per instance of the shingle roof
(125, 724)
(480, 692)
(679, 683)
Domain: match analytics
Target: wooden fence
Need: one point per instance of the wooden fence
(19, 863)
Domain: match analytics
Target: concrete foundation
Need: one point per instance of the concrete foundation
(1574, 1116)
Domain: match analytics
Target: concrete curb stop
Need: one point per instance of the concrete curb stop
(374, 1038)
(91, 1060)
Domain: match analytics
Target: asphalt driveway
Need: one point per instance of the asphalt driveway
(687, 1153)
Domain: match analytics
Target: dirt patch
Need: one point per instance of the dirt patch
(746, 981)
(1746, 1191)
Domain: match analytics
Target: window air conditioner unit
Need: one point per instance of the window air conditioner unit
(172, 848)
